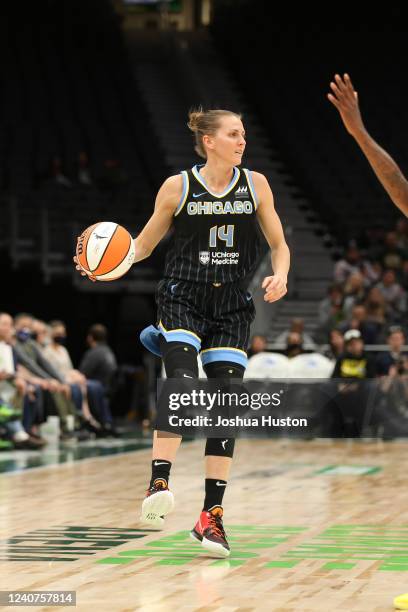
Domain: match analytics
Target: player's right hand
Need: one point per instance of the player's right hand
(83, 273)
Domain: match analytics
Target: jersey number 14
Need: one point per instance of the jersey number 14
(223, 234)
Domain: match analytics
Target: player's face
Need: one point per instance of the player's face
(229, 140)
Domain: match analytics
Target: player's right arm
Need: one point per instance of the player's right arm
(167, 200)
(345, 99)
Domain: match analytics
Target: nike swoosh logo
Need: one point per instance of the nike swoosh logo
(187, 376)
(160, 463)
(224, 443)
(197, 195)
(248, 298)
(221, 484)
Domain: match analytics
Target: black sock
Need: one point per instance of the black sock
(214, 492)
(160, 469)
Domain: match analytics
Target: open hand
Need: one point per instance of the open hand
(345, 99)
(275, 287)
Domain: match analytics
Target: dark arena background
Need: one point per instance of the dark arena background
(94, 104)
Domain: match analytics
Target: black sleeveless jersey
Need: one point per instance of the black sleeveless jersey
(216, 236)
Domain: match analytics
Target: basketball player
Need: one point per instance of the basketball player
(203, 304)
(345, 99)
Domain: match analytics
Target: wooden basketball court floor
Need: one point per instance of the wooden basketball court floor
(313, 525)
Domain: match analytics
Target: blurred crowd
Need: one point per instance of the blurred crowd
(369, 292)
(38, 380)
(365, 308)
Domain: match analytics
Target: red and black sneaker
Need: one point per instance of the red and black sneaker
(209, 530)
(158, 502)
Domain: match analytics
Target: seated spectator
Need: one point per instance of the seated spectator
(330, 312)
(22, 396)
(395, 356)
(336, 345)
(30, 356)
(358, 320)
(354, 292)
(351, 263)
(375, 310)
(394, 295)
(354, 362)
(58, 355)
(258, 345)
(391, 256)
(294, 344)
(297, 325)
(401, 232)
(99, 366)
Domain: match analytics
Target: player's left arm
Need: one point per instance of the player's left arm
(271, 226)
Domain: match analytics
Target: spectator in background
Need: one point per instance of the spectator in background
(391, 256)
(58, 355)
(358, 321)
(401, 231)
(354, 362)
(353, 263)
(21, 393)
(395, 356)
(336, 345)
(393, 294)
(258, 345)
(294, 344)
(99, 366)
(375, 310)
(30, 356)
(330, 312)
(354, 292)
(84, 177)
(297, 325)
(404, 276)
(99, 361)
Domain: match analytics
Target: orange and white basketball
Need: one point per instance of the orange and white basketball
(105, 250)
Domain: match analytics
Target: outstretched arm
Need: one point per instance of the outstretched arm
(345, 99)
(275, 286)
(167, 200)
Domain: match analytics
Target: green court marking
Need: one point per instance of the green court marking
(348, 544)
(340, 566)
(227, 563)
(115, 560)
(283, 563)
(340, 546)
(348, 470)
(177, 548)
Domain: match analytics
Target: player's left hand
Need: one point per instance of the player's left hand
(345, 99)
(275, 287)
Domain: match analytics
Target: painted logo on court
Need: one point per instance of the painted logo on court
(205, 257)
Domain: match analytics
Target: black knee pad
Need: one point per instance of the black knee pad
(224, 370)
(220, 447)
(179, 358)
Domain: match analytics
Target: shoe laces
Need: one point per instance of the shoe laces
(216, 525)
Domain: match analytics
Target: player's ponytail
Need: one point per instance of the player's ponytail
(202, 122)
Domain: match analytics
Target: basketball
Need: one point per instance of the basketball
(105, 250)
